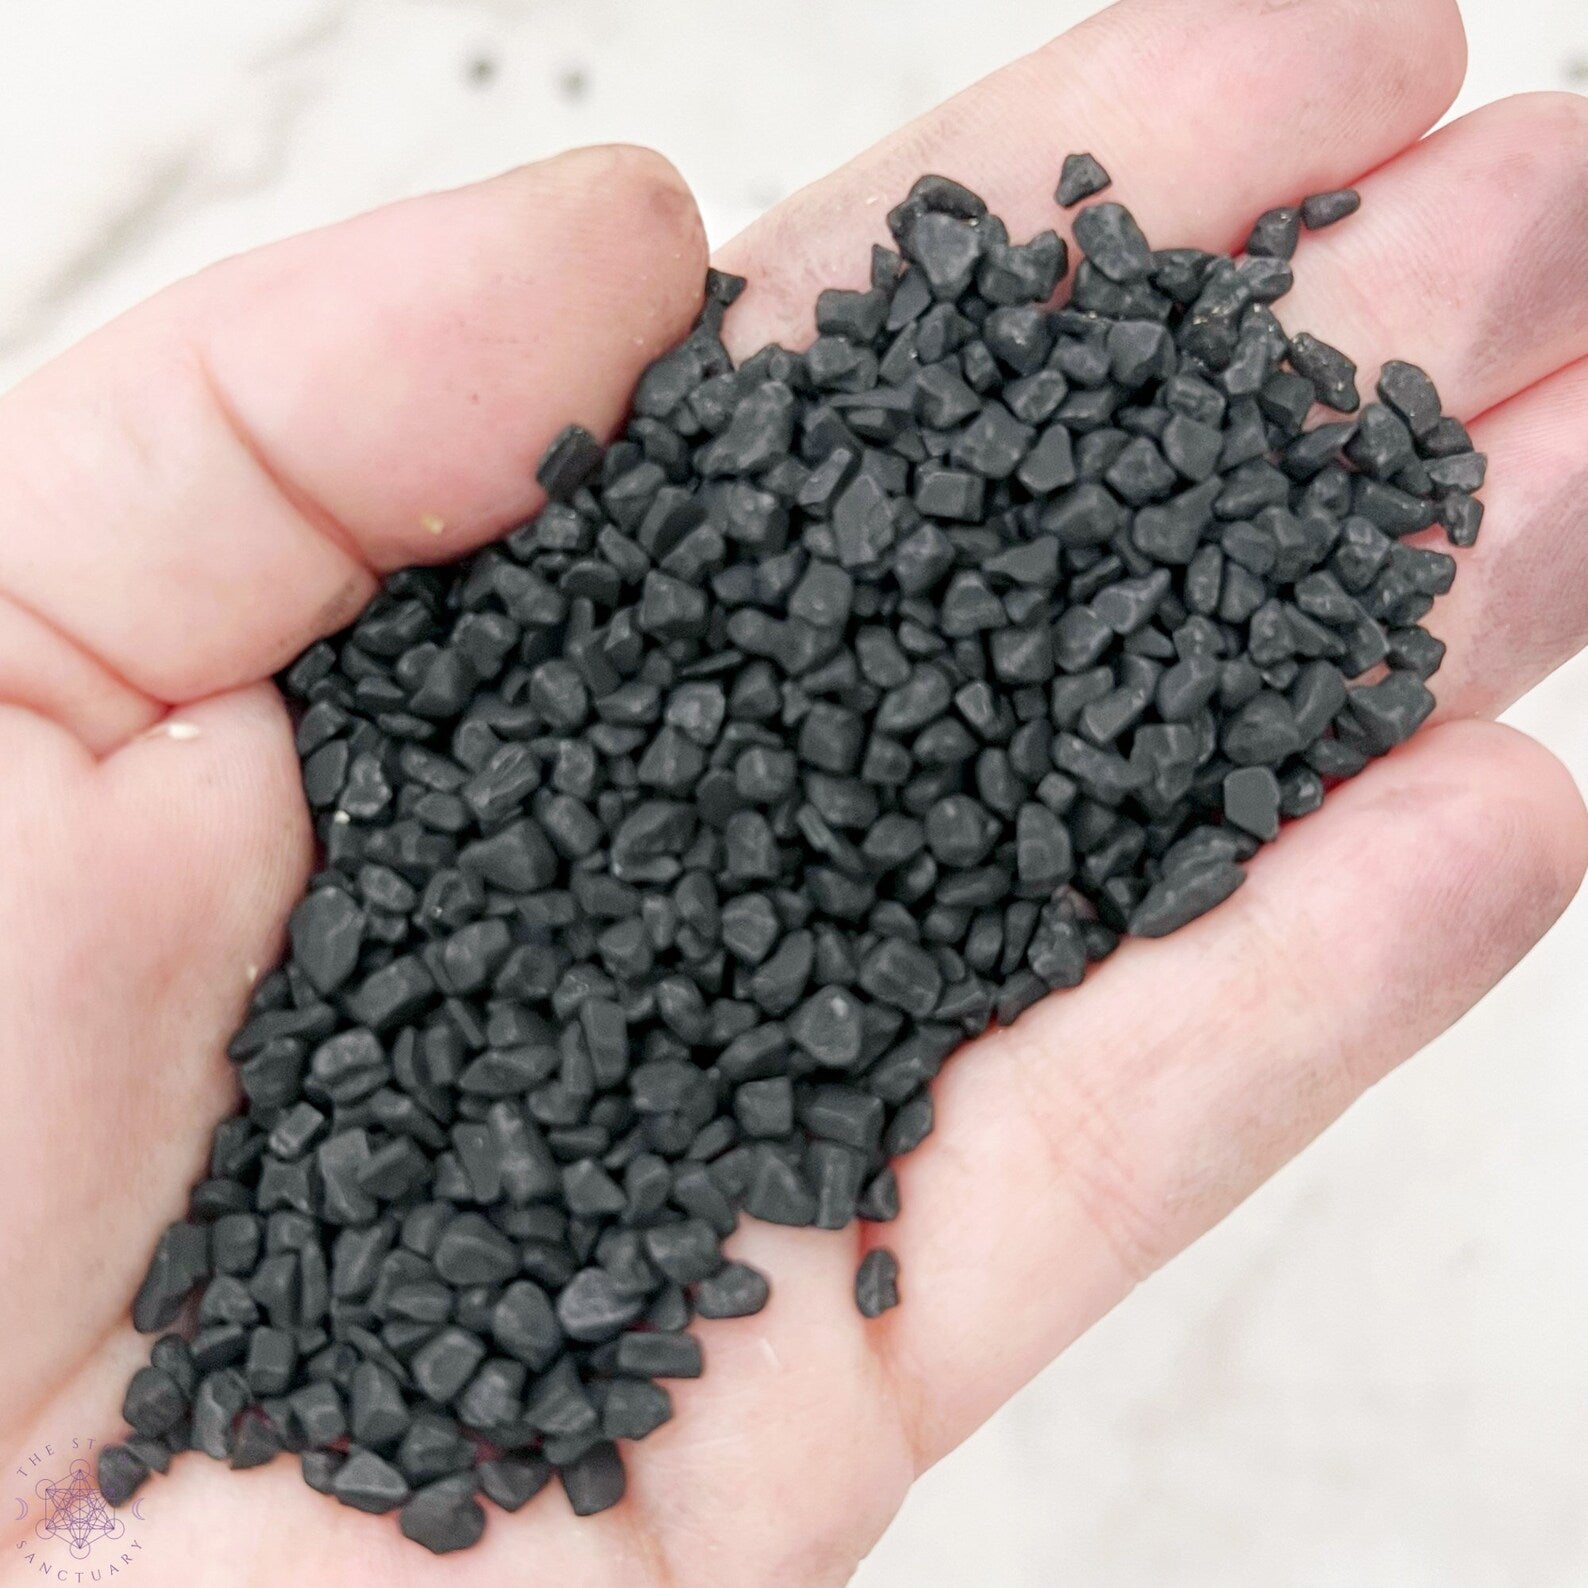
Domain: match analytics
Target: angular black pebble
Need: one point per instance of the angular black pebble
(735, 1291)
(444, 1515)
(154, 1403)
(181, 1261)
(513, 1481)
(368, 1483)
(595, 1481)
(120, 1474)
(877, 1282)
(1081, 178)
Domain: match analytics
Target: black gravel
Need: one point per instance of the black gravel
(846, 705)
(877, 1283)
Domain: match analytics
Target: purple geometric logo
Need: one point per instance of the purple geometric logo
(75, 1513)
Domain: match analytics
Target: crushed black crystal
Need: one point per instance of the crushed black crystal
(847, 704)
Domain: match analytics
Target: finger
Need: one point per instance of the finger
(1519, 607)
(197, 491)
(1080, 1149)
(139, 900)
(1470, 256)
(1206, 113)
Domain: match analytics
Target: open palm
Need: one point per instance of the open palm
(198, 491)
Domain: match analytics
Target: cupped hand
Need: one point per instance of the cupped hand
(199, 490)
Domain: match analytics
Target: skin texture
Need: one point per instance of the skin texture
(200, 489)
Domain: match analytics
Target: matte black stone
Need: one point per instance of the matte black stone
(524, 1323)
(734, 1291)
(326, 931)
(1332, 374)
(493, 1399)
(993, 443)
(444, 1516)
(154, 1403)
(946, 247)
(318, 1410)
(256, 1444)
(119, 1474)
(1263, 732)
(843, 1114)
(1112, 242)
(1408, 390)
(877, 1282)
(1251, 801)
(1462, 516)
(633, 1408)
(659, 1355)
(901, 974)
(433, 1447)
(950, 494)
(220, 1397)
(1391, 711)
(378, 1415)
(272, 1359)
(591, 1308)
(1324, 209)
(181, 1261)
(1081, 178)
(765, 1107)
(513, 1481)
(367, 1483)
(156, 1454)
(827, 1026)
(1276, 234)
(472, 1251)
(595, 1482)
(446, 1362)
(685, 1251)
(778, 1194)
(1179, 899)
(568, 462)
(320, 1468)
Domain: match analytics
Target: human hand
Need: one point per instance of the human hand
(205, 486)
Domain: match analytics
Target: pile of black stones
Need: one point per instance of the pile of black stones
(851, 702)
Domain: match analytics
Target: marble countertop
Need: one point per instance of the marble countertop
(1374, 1374)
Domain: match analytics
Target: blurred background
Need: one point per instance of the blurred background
(1375, 1373)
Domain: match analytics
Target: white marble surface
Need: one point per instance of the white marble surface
(1372, 1375)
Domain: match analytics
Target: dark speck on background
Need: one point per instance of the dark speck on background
(1576, 69)
(573, 84)
(481, 70)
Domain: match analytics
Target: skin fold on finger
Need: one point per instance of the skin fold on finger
(204, 486)
(1469, 257)
(44, 671)
(1081, 1148)
(140, 899)
(1205, 112)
